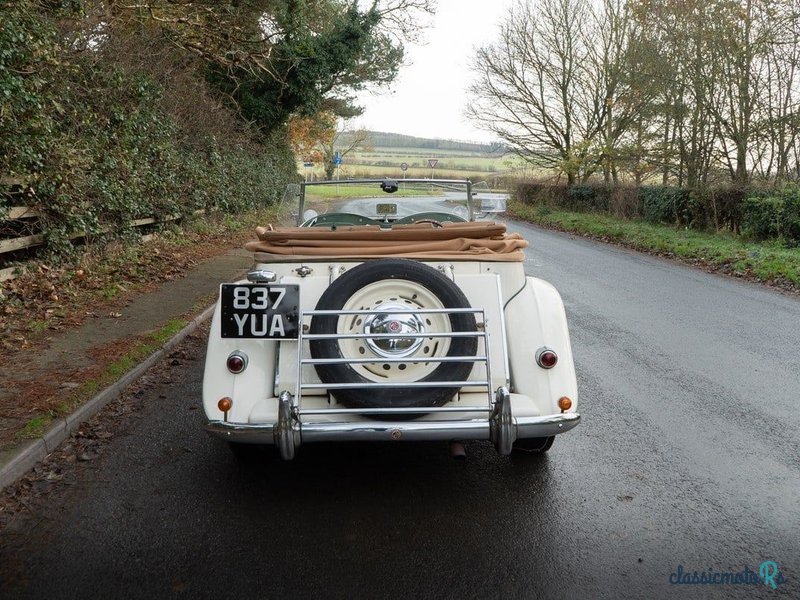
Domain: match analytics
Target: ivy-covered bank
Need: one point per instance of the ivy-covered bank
(97, 132)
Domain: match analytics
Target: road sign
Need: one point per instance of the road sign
(308, 164)
(337, 159)
(432, 162)
(404, 166)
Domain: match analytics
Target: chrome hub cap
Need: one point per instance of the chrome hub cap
(397, 320)
(394, 307)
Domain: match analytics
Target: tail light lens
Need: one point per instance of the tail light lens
(546, 358)
(237, 362)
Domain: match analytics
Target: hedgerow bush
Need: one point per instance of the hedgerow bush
(624, 202)
(28, 54)
(537, 193)
(584, 197)
(88, 140)
(756, 213)
(773, 216)
(717, 208)
(588, 198)
(619, 200)
(669, 205)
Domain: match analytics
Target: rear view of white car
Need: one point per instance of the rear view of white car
(389, 318)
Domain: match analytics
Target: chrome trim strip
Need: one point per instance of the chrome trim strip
(471, 212)
(475, 429)
(396, 431)
(488, 362)
(503, 334)
(277, 370)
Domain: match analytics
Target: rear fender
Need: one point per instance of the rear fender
(246, 388)
(535, 318)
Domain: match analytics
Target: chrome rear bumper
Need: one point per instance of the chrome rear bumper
(502, 428)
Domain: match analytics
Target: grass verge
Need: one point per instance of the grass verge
(770, 263)
(112, 372)
(35, 427)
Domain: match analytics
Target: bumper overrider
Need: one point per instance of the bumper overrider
(501, 428)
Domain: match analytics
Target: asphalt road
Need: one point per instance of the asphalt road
(689, 454)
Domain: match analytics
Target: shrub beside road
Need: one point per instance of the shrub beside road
(769, 262)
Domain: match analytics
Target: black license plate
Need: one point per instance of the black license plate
(259, 310)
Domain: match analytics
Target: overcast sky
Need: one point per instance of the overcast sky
(429, 95)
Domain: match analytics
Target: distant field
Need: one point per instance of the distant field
(383, 161)
(364, 191)
(424, 153)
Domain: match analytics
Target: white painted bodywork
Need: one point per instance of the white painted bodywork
(522, 315)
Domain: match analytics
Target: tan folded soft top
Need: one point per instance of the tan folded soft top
(454, 241)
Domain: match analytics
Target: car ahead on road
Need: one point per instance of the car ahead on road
(389, 313)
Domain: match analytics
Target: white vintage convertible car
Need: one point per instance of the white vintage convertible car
(389, 318)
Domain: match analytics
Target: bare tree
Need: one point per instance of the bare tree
(406, 19)
(673, 39)
(625, 86)
(725, 104)
(344, 142)
(778, 119)
(695, 89)
(534, 88)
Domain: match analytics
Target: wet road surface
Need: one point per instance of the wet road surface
(689, 454)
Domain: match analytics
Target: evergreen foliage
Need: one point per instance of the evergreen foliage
(757, 214)
(90, 142)
(311, 62)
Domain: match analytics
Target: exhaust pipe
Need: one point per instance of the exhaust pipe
(457, 450)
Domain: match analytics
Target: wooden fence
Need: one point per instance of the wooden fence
(24, 213)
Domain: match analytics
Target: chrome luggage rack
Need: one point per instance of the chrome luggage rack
(305, 337)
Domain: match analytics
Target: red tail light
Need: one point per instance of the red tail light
(546, 358)
(237, 362)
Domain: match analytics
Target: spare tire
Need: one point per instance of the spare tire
(401, 288)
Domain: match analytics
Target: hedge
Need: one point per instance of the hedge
(670, 205)
(776, 216)
(758, 214)
(88, 142)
